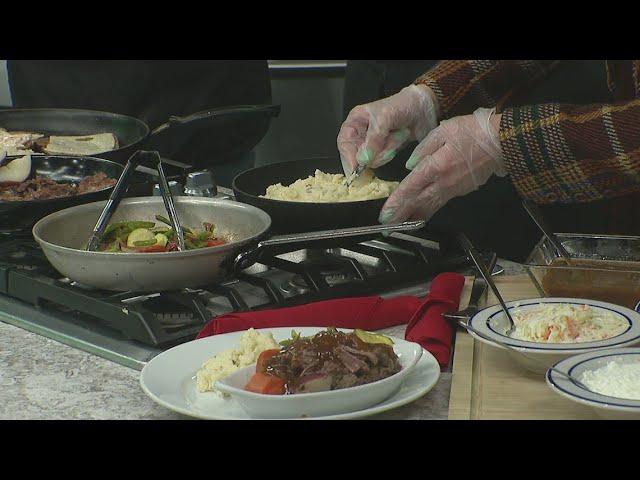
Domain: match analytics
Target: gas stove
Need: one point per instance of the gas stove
(130, 328)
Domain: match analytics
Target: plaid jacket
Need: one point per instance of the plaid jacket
(554, 153)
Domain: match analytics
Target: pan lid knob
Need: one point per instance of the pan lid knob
(201, 184)
(175, 187)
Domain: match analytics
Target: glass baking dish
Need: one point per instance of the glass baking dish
(604, 267)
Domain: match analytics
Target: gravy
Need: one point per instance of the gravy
(606, 280)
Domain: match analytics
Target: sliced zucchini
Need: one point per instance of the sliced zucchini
(161, 239)
(140, 235)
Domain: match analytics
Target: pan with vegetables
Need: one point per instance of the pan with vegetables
(149, 237)
(137, 262)
(63, 238)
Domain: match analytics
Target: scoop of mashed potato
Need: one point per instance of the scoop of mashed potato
(252, 344)
(331, 187)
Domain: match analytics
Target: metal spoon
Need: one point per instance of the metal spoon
(477, 259)
(355, 174)
(535, 213)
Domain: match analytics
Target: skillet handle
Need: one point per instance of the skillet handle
(217, 113)
(249, 257)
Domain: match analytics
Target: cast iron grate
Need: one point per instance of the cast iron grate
(168, 318)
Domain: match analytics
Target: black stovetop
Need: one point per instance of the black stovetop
(163, 319)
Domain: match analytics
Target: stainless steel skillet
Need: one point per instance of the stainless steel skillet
(63, 235)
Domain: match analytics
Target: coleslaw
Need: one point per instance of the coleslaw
(566, 323)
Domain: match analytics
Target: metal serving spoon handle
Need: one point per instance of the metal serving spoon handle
(475, 257)
(535, 213)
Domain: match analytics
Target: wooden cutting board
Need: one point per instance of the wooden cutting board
(487, 385)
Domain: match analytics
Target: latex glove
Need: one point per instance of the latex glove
(373, 133)
(454, 159)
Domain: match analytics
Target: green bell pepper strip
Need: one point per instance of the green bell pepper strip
(145, 243)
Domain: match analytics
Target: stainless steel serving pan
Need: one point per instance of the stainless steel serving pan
(62, 236)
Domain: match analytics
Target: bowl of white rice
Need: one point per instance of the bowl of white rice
(610, 381)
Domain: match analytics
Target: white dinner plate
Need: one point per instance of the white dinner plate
(169, 379)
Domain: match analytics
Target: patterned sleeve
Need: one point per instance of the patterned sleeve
(557, 153)
(461, 86)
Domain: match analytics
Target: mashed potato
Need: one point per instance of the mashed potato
(252, 344)
(329, 187)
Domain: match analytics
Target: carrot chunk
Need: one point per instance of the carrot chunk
(266, 384)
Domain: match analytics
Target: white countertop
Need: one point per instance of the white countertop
(43, 379)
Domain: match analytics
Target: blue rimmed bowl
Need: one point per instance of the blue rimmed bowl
(537, 357)
(605, 406)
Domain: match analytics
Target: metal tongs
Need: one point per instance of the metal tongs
(120, 189)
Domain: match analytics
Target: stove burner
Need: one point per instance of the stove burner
(338, 278)
(176, 320)
(295, 286)
(331, 274)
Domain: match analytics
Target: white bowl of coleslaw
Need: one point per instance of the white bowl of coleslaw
(551, 329)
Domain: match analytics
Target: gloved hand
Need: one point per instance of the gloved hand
(453, 160)
(373, 133)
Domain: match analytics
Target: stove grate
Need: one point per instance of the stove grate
(168, 318)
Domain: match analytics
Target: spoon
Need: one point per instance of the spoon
(477, 259)
(355, 174)
(535, 213)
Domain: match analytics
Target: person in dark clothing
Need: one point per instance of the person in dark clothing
(492, 217)
(152, 91)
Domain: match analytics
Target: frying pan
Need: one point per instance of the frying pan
(291, 217)
(129, 131)
(62, 236)
(133, 133)
(18, 215)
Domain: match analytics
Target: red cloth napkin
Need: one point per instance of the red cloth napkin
(368, 313)
(426, 326)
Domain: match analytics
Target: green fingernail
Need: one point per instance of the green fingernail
(388, 155)
(412, 162)
(365, 156)
(386, 215)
